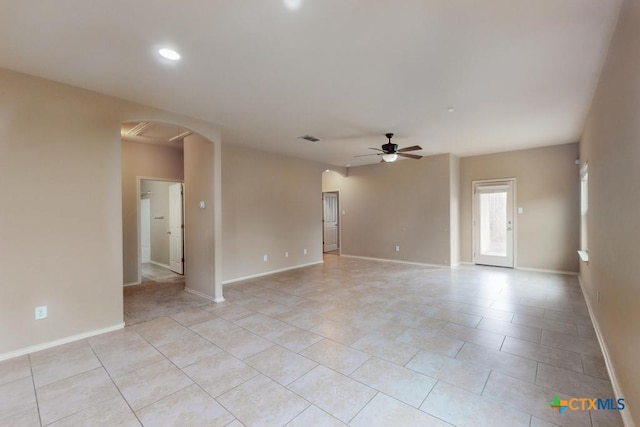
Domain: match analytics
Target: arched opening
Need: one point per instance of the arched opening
(176, 169)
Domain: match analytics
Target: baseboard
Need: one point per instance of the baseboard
(540, 270)
(537, 270)
(160, 264)
(200, 294)
(397, 261)
(65, 340)
(626, 415)
(131, 284)
(267, 273)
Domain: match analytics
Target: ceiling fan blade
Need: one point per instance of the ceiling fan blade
(377, 149)
(412, 148)
(410, 156)
(365, 155)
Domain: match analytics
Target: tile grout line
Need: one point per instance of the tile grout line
(113, 382)
(35, 391)
(364, 406)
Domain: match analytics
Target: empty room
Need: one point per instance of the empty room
(305, 213)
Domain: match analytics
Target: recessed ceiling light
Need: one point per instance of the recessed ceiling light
(169, 54)
(292, 4)
(327, 170)
(450, 109)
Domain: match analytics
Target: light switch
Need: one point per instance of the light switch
(520, 210)
(202, 205)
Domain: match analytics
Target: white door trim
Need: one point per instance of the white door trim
(496, 181)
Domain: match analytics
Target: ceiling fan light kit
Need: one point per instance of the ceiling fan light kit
(390, 157)
(390, 151)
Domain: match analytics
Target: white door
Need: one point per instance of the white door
(145, 230)
(176, 261)
(330, 221)
(493, 223)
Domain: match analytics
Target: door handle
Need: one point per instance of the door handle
(168, 232)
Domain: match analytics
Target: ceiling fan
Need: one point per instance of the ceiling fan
(390, 151)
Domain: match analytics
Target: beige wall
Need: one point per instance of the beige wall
(141, 160)
(61, 215)
(611, 146)
(406, 204)
(199, 179)
(547, 188)
(272, 204)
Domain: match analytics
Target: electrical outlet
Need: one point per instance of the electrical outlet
(41, 312)
(266, 258)
(286, 254)
(304, 251)
(397, 248)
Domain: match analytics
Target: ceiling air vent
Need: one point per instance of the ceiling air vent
(309, 138)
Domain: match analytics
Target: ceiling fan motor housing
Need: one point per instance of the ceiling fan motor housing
(390, 148)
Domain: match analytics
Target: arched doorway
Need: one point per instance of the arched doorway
(161, 151)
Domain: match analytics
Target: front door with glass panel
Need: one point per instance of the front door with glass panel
(493, 223)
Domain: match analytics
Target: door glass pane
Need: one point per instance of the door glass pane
(493, 224)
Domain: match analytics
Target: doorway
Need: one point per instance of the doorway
(493, 222)
(161, 230)
(330, 223)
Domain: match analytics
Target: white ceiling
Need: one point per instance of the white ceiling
(518, 73)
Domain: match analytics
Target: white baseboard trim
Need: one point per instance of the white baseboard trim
(537, 270)
(131, 284)
(267, 273)
(626, 415)
(397, 261)
(540, 270)
(160, 264)
(55, 343)
(200, 294)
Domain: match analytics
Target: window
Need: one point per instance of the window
(584, 209)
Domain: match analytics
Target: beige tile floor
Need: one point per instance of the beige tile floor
(151, 300)
(157, 273)
(352, 342)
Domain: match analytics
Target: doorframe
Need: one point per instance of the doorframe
(139, 214)
(337, 193)
(514, 203)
